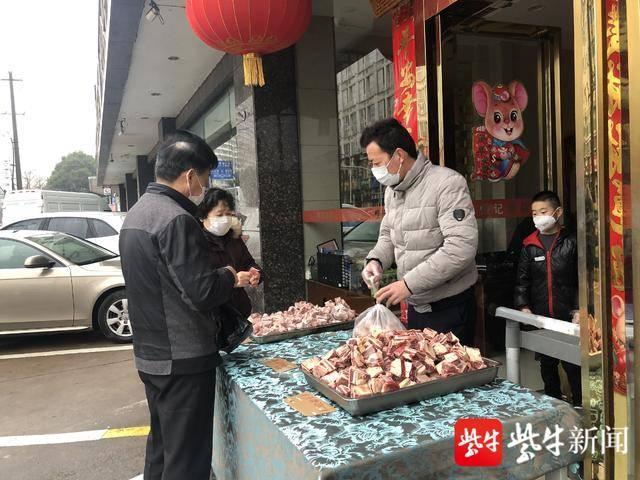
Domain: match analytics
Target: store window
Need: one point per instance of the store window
(236, 173)
(371, 113)
(381, 82)
(358, 187)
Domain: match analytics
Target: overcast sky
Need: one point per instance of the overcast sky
(52, 46)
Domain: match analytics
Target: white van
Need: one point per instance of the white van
(20, 204)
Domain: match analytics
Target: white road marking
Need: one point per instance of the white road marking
(73, 437)
(139, 477)
(76, 351)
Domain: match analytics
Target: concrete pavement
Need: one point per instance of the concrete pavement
(64, 391)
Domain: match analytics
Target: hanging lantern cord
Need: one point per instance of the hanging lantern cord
(253, 74)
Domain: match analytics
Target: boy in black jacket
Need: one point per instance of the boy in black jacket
(547, 283)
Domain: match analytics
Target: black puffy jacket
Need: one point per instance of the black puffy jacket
(232, 251)
(547, 281)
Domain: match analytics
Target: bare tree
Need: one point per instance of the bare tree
(30, 180)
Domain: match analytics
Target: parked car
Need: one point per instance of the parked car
(349, 225)
(361, 239)
(102, 228)
(51, 281)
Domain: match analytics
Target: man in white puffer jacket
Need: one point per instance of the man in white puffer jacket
(429, 231)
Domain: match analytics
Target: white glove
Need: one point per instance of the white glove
(372, 274)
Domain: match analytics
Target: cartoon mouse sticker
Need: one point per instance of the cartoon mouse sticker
(497, 149)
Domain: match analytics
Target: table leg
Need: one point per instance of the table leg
(512, 344)
(560, 474)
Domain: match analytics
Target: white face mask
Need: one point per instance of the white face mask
(544, 223)
(384, 177)
(220, 226)
(197, 199)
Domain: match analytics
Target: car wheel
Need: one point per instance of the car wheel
(113, 318)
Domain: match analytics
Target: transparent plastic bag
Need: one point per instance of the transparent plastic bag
(376, 319)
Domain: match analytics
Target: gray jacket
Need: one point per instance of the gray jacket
(174, 285)
(429, 229)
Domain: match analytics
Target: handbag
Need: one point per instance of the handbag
(234, 328)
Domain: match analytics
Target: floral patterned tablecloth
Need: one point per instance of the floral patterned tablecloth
(258, 436)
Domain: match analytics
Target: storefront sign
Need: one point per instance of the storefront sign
(503, 208)
(380, 7)
(224, 171)
(309, 405)
(404, 68)
(278, 365)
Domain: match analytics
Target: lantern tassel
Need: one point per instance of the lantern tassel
(253, 74)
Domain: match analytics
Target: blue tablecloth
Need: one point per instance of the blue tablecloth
(258, 436)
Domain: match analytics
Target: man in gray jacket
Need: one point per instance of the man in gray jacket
(175, 290)
(429, 231)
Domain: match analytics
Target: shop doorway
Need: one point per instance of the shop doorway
(507, 47)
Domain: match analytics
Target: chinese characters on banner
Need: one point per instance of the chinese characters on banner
(616, 225)
(404, 68)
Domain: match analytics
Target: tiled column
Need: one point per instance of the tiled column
(146, 173)
(279, 183)
(123, 197)
(131, 186)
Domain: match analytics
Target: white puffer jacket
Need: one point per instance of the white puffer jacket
(429, 229)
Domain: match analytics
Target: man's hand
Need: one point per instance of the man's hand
(393, 294)
(372, 274)
(255, 276)
(526, 310)
(243, 279)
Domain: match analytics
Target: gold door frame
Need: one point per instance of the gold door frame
(599, 31)
(631, 39)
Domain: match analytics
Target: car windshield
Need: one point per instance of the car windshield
(73, 249)
(365, 232)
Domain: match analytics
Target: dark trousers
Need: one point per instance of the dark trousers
(551, 378)
(455, 314)
(180, 443)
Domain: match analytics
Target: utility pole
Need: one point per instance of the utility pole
(16, 145)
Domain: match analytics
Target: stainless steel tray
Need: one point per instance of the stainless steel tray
(404, 396)
(335, 327)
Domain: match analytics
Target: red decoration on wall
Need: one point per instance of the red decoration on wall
(249, 28)
(404, 68)
(616, 203)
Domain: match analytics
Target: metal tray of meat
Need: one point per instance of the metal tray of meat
(405, 396)
(334, 327)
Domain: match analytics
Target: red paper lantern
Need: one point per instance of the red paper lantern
(249, 28)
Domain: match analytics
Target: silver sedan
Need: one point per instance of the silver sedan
(54, 282)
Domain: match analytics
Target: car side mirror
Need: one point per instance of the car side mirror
(39, 261)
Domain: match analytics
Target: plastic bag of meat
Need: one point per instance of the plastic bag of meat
(376, 319)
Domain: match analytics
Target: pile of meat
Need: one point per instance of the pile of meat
(392, 360)
(302, 315)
